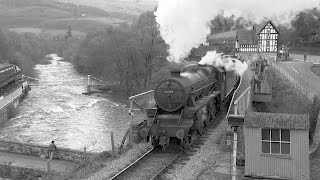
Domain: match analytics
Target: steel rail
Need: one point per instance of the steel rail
(165, 167)
(132, 164)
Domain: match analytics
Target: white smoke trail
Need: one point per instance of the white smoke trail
(184, 24)
(215, 59)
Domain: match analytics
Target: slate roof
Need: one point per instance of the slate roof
(229, 36)
(247, 36)
(259, 27)
(276, 120)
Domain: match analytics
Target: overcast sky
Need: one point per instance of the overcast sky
(264, 8)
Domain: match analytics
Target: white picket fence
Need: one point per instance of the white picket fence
(242, 103)
(301, 86)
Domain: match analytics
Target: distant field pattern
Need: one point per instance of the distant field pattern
(50, 31)
(134, 7)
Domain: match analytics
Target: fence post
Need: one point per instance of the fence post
(234, 154)
(112, 143)
(131, 123)
(49, 168)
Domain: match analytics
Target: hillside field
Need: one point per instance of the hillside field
(52, 14)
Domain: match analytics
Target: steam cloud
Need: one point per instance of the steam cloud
(184, 24)
(215, 59)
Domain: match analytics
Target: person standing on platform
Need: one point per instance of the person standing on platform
(52, 148)
(305, 57)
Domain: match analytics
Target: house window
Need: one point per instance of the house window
(275, 141)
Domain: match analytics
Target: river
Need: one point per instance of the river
(55, 109)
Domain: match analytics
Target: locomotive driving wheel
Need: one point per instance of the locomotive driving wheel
(186, 142)
(205, 116)
(199, 122)
(154, 141)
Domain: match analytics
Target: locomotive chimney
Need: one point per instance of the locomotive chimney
(175, 72)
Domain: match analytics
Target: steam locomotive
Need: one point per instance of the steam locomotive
(187, 101)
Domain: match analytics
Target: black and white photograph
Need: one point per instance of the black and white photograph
(159, 89)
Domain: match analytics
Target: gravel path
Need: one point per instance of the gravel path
(211, 161)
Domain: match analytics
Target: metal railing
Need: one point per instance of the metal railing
(242, 103)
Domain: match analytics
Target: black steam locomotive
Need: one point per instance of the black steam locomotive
(187, 101)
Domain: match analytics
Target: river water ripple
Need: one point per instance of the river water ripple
(55, 109)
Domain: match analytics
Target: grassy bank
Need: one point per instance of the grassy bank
(315, 69)
(305, 49)
(285, 98)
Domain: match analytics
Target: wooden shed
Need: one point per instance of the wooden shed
(277, 145)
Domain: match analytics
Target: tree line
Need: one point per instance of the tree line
(134, 54)
(302, 31)
(129, 54)
(27, 49)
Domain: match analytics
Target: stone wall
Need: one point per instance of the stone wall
(38, 150)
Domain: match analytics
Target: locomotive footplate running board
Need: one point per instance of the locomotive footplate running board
(203, 101)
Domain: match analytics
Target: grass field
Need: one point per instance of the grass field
(54, 15)
(50, 31)
(120, 8)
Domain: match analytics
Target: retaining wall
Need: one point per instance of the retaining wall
(38, 150)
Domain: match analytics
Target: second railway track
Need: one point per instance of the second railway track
(149, 166)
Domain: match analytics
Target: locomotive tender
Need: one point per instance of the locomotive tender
(187, 101)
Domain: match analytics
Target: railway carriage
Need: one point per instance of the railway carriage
(187, 101)
(9, 74)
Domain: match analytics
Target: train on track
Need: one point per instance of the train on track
(187, 101)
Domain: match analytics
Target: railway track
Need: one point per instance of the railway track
(149, 166)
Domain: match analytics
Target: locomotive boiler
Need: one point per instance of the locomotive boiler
(187, 101)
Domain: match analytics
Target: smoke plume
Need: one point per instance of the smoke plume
(184, 24)
(215, 59)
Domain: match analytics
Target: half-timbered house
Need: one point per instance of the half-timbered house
(261, 38)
